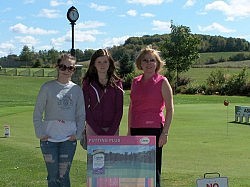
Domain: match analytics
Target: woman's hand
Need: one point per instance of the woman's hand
(72, 138)
(163, 139)
(45, 138)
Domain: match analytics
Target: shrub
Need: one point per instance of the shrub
(192, 89)
(127, 80)
(216, 81)
(245, 90)
(235, 85)
(238, 57)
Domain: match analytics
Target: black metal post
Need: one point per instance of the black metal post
(72, 16)
(72, 49)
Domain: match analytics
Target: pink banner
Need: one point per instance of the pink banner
(121, 140)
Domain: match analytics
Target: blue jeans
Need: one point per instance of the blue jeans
(58, 157)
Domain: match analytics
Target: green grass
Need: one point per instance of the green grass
(205, 57)
(200, 75)
(201, 139)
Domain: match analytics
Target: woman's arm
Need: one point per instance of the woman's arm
(130, 110)
(129, 118)
(167, 95)
(80, 115)
(38, 113)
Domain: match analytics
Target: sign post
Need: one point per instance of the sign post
(212, 182)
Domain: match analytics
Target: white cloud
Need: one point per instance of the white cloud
(146, 2)
(29, 1)
(58, 41)
(100, 8)
(23, 29)
(58, 3)
(6, 10)
(90, 24)
(30, 41)
(215, 27)
(190, 3)
(19, 17)
(3, 53)
(161, 26)
(7, 48)
(233, 9)
(6, 45)
(55, 3)
(122, 15)
(147, 15)
(86, 36)
(80, 36)
(246, 37)
(132, 12)
(116, 41)
(48, 13)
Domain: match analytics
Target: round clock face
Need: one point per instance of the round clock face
(73, 15)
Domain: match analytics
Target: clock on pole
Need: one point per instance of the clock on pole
(72, 16)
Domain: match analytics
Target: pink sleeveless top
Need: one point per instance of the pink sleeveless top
(147, 102)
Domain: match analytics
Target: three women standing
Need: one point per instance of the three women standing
(59, 114)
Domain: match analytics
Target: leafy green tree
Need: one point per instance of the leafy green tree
(27, 55)
(216, 81)
(37, 64)
(236, 83)
(181, 50)
(87, 54)
(117, 52)
(230, 45)
(126, 66)
(53, 56)
(79, 55)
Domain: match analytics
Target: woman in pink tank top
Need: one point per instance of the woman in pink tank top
(151, 94)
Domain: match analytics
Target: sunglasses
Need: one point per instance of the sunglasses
(63, 67)
(148, 60)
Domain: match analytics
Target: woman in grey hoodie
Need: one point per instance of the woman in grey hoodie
(58, 119)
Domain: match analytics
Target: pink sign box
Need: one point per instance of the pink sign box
(121, 161)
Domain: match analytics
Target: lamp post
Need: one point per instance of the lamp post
(72, 16)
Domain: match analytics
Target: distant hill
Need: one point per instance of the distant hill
(208, 43)
(219, 48)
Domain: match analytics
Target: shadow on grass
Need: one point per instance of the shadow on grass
(238, 123)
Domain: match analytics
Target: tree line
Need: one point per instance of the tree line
(129, 50)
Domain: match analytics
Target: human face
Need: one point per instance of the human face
(148, 63)
(66, 68)
(102, 64)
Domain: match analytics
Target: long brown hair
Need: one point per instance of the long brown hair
(92, 75)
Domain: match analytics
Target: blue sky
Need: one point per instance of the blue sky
(42, 24)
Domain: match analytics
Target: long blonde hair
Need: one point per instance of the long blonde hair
(155, 53)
